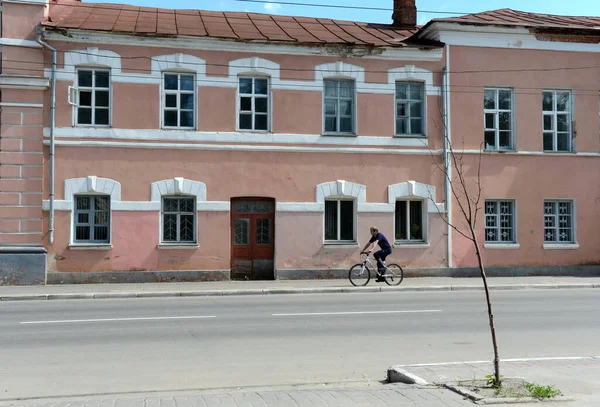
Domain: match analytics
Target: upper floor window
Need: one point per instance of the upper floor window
(409, 225)
(339, 106)
(179, 97)
(339, 220)
(558, 222)
(498, 111)
(92, 219)
(499, 221)
(93, 100)
(557, 120)
(410, 108)
(178, 219)
(253, 103)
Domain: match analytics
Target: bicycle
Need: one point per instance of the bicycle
(360, 273)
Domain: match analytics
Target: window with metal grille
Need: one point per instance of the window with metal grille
(409, 108)
(409, 221)
(500, 221)
(339, 106)
(178, 100)
(93, 97)
(92, 219)
(498, 115)
(178, 220)
(253, 104)
(339, 221)
(558, 222)
(557, 120)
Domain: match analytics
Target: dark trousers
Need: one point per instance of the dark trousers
(381, 255)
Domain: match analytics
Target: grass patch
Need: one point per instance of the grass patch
(542, 392)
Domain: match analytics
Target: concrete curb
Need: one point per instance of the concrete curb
(281, 291)
(396, 374)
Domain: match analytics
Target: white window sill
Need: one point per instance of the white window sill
(102, 126)
(178, 246)
(406, 245)
(341, 245)
(410, 136)
(501, 245)
(339, 134)
(559, 152)
(179, 128)
(253, 131)
(500, 150)
(561, 246)
(91, 246)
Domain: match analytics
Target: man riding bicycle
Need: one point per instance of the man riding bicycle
(386, 249)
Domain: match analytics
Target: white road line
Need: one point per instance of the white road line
(356, 313)
(476, 362)
(70, 321)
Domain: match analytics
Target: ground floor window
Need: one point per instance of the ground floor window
(178, 220)
(499, 221)
(409, 223)
(92, 219)
(339, 220)
(558, 222)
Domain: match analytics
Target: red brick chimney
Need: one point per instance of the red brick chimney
(405, 13)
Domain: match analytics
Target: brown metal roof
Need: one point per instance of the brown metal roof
(146, 21)
(509, 17)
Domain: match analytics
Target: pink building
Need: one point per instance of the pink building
(143, 144)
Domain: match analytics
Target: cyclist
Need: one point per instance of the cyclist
(386, 250)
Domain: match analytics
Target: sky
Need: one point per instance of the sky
(428, 9)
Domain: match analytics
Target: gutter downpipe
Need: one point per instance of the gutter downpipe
(39, 35)
(446, 149)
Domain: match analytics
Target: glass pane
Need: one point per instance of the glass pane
(504, 119)
(548, 141)
(562, 101)
(169, 228)
(101, 79)
(415, 126)
(331, 106)
(547, 102)
(260, 86)
(186, 101)
(83, 218)
(346, 125)
(401, 126)
(84, 78)
(171, 100)
(246, 121)
(416, 220)
(101, 218)
(347, 220)
(246, 104)
(186, 119)
(489, 99)
(102, 116)
(186, 82)
(490, 139)
(346, 107)
(82, 233)
(490, 122)
(170, 204)
(171, 118)
(331, 88)
(186, 205)
(331, 124)
(402, 109)
(562, 140)
(186, 228)
(562, 122)
(400, 220)
(241, 234)
(504, 99)
(260, 122)
(401, 90)
(415, 109)
(84, 115)
(102, 203)
(261, 105)
(102, 98)
(170, 82)
(246, 85)
(263, 231)
(331, 220)
(83, 202)
(346, 89)
(416, 91)
(85, 98)
(101, 233)
(505, 140)
(548, 122)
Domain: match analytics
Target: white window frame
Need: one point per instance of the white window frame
(556, 227)
(409, 101)
(354, 121)
(496, 112)
(554, 115)
(178, 242)
(424, 226)
(498, 228)
(91, 224)
(339, 223)
(254, 96)
(164, 92)
(73, 96)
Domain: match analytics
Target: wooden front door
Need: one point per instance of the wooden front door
(252, 239)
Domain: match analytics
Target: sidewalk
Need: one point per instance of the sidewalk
(145, 290)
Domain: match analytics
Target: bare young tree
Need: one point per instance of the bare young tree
(466, 194)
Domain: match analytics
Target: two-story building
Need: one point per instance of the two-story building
(143, 144)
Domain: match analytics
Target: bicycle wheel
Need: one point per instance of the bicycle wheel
(394, 275)
(359, 274)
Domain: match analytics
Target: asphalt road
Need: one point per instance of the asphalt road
(76, 347)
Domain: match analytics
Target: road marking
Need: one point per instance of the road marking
(477, 362)
(71, 321)
(356, 313)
